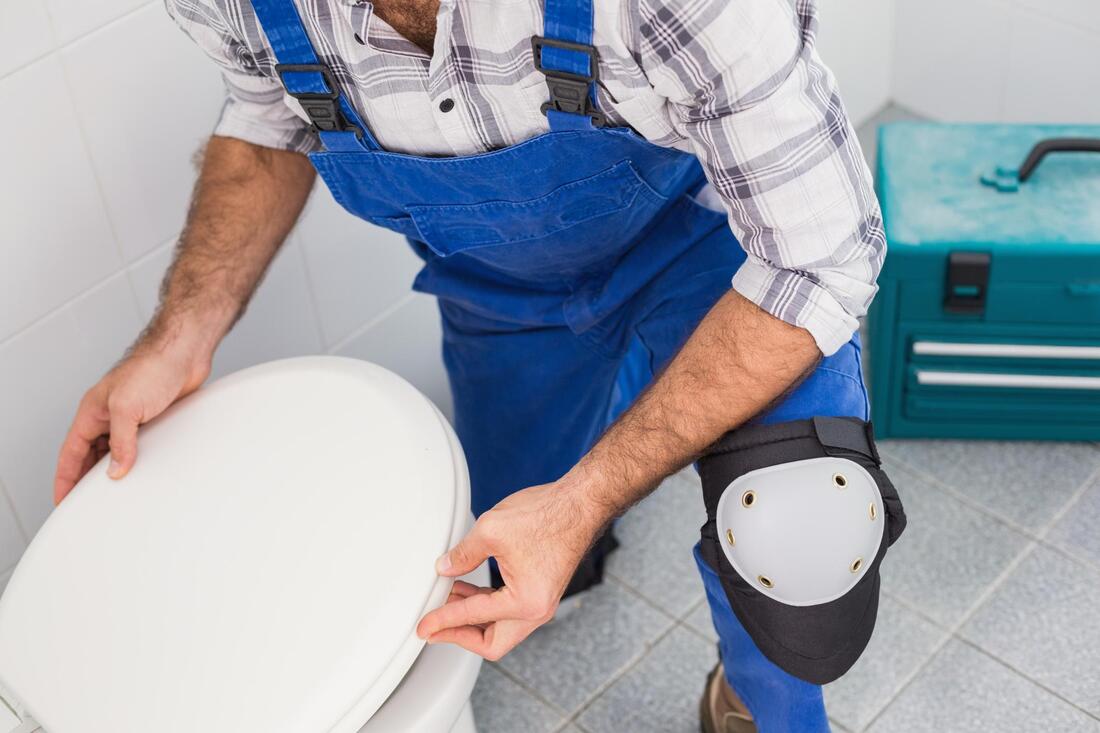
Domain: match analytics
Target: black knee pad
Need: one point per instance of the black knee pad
(799, 517)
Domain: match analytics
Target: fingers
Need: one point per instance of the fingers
(473, 609)
(492, 642)
(76, 456)
(467, 555)
(126, 415)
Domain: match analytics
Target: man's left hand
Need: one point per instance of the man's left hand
(538, 537)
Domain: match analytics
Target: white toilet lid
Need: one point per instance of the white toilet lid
(262, 568)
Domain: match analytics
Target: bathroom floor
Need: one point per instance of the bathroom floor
(988, 619)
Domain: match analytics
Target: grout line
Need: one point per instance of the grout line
(1034, 534)
(1035, 539)
(1053, 693)
(978, 602)
(91, 31)
(372, 322)
(15, 515)
(529, 689)
(619, 674)
(293, 240)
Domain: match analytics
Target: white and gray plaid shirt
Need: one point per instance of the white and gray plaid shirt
(737, 82)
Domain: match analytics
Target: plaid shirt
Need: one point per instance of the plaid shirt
(737, 83)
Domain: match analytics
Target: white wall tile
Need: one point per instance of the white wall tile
(950, 58)
(25, 33)
(1053, 70)
(280, 321)
(74, 18)
(409, 341)
(43, 373)
(856, 40)
(56, 240)
(1083, 14)
(12, 541)
(147, 99)
(357, 270)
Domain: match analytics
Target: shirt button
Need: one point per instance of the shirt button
(446, 105)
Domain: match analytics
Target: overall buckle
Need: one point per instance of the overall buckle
(568, 90)
(322, 108)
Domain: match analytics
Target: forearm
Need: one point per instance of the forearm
(738, 361)
(245, 202)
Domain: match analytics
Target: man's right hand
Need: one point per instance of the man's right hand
(139, 388)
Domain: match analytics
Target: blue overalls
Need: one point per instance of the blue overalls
(569, 269)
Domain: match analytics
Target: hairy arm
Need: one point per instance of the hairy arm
(739, 360)
(245, 202)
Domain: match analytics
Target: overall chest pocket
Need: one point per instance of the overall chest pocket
(572, 227)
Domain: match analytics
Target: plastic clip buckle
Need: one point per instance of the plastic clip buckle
(569, 92)
(322, 108)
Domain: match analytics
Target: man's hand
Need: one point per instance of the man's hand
(538, 537)
(739, 360)
(141, 387)
(246, 200)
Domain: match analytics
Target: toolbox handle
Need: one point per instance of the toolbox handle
(1056, 145)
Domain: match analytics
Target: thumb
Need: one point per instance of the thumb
(464, 557)
(125, 418)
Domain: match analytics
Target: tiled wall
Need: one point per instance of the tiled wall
(1010, 60)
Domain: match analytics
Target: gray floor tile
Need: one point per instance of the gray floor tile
(661, 694)
(657, 536)
(903, 641)
(502, 706)
(1043, 621)
(699, 620)
(1077, 530)
(566, 661)
(949, 553)
(964, 691)
(868, 131)
(1026, 482)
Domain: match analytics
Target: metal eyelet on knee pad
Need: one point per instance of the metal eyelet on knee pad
(840, 480)
(765, 581)
(730, 538)
(748, 499)
(872, 511)
(856, 565)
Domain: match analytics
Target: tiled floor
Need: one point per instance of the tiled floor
(989, 620)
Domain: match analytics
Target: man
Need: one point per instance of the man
(583, 182)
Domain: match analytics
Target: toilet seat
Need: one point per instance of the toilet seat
(262, 568)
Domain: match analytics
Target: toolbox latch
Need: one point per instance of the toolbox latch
(967, 282)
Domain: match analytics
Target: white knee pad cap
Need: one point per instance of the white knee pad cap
(802, 533)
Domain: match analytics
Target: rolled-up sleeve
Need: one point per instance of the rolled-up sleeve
(764, 116)
(254, 110)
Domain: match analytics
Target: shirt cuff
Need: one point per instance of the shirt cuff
(238, 121)
(794, 298)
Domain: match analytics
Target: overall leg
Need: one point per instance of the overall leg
(779, 702)
(529, 402)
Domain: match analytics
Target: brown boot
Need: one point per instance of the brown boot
(721, 710)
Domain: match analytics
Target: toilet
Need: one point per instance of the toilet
(261, 569)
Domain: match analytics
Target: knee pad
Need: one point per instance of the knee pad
(799, 517)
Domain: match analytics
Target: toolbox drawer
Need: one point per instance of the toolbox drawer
(995, 386)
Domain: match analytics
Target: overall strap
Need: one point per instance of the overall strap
(309, 81)
(566, 56)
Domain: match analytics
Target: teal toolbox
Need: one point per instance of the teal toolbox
(987, 324)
